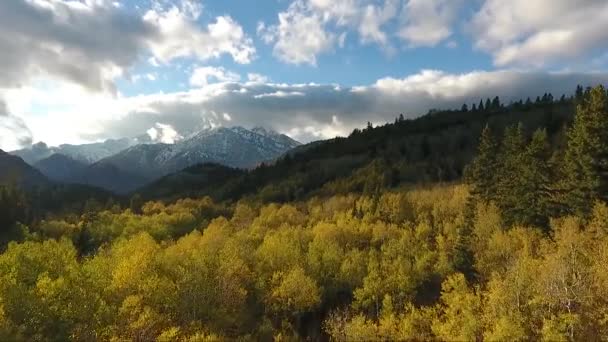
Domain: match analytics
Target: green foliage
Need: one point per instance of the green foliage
(585, 165)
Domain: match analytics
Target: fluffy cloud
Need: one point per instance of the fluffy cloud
(299, 36)
(309, 28)
(204, 75)
(163, 133)
(372, 20)
(257, 78)
(14, 133)
(305, 111)
(428, 22)
(91, 43)
(180, 37)
(534, 33)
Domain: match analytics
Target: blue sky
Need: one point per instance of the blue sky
(355, 63)
(74, 71)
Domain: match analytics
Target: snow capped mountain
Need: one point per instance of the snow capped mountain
(235, 147)
(86, 153)
(126, 164)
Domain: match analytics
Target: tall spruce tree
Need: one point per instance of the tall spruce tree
(585, 165)
(534, 184)
(488, 105)
(508, 175)
(480, 173)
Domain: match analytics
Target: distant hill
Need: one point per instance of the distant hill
(61, 168)
(85, 153)
(135, 166)
(13, 170)
(190, 182)
(431, 148)
(235, 147)
(43, 194)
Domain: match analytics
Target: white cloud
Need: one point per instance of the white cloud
(204, 75)
(257, 78)
(92, 43)
(307, 111)
(540, 32)
(14, 133)
(163, 133)
(181, 37)
(280, 93)
(299, 36)
(428, 22)
(372, 20)
(309, 28)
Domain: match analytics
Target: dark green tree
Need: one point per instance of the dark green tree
(496, 103)
(507, 173)
(585, 163)
(480, 173)
(536, 179)
(488, 105)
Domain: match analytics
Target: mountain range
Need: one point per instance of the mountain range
(124, 165)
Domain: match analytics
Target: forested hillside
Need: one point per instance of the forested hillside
(478, 224)
(432, 148)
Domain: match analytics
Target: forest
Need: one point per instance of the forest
(487, 223)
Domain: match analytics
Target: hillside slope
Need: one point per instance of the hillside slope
(432, 148)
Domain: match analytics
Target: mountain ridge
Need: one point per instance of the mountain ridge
(140, 164)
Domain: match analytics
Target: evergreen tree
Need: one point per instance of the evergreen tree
(508, 175)
(496, 103)
(480, 107)
(585, 166)
(488, 105)
(480, 173)
(464, 108)
(535, 181)
(579, 92)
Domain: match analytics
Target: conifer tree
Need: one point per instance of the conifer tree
(585, 166)
(535, 181)
(488, 105)
(480, 173)
(496, 103)
(507, 174)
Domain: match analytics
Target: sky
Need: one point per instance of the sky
(77, 71)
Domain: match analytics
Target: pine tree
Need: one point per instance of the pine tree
(535, 181)
(480, 173)
(508, 175)
(488, 105)
(579, 92)
(585, 166)
(496, 103)
(480, 107)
